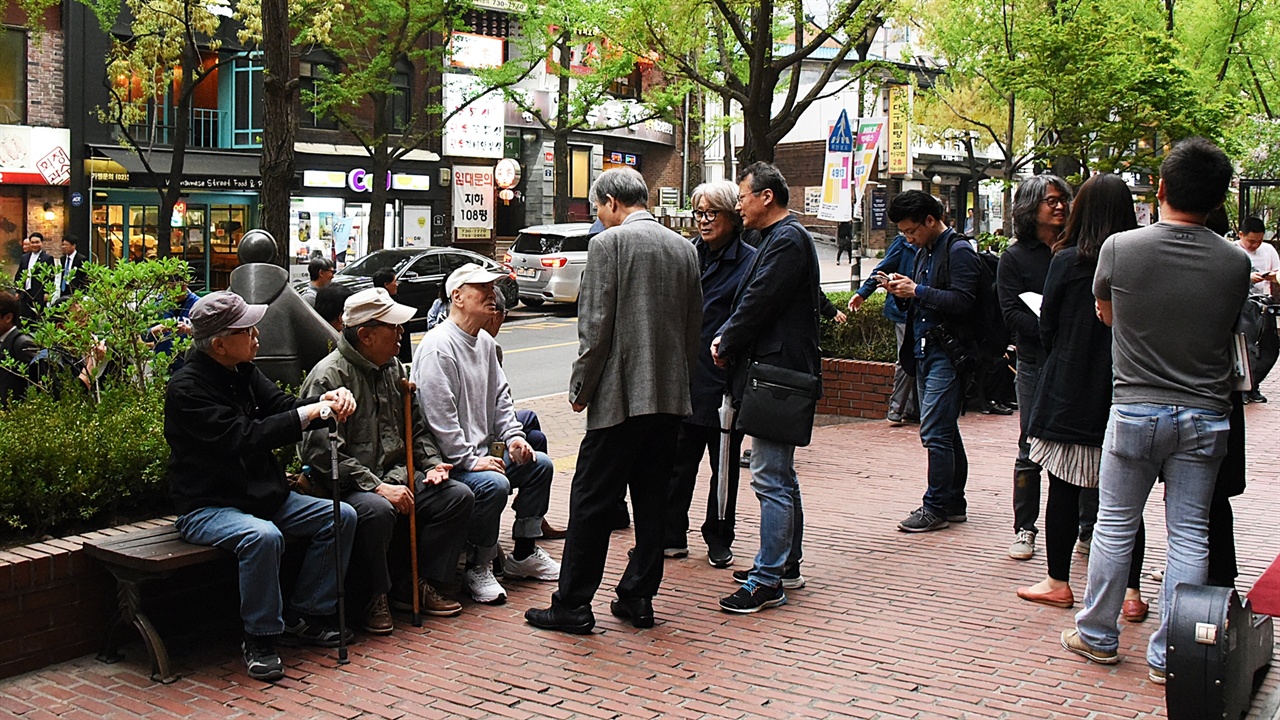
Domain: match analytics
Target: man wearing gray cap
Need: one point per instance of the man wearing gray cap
(468, 404)
(372, 463)
(223, 419)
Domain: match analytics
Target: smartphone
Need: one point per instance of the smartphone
(497, 448)
(881, 278)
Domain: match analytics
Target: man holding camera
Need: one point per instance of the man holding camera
(940, 294)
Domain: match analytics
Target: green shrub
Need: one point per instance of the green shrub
(867, 335)
(71, 462)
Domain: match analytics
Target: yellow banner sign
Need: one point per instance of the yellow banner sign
(899, 129)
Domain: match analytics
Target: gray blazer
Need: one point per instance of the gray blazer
(639, 318)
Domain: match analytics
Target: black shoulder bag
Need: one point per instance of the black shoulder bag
(778, 404)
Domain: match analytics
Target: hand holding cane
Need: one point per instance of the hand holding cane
(408, 388)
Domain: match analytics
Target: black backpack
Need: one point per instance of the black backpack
(982, 329)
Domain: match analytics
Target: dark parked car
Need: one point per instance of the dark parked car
(420, 272)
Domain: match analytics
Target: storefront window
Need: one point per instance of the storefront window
(247, 126)
(143, 231)
(13, 76)
(108, 233)
(13, 226)
(311, 76)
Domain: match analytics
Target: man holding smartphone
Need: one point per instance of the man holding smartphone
(940, 293)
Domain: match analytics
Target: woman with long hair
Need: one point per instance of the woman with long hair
(1069, 415)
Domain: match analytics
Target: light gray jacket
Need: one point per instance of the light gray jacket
(639, 319)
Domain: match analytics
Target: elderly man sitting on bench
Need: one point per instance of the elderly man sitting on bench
(223, 418)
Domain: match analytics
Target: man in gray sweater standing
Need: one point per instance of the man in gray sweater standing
(1171, 398)
(467, 403)
(639, 322)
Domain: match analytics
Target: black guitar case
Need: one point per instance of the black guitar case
(1219, 652)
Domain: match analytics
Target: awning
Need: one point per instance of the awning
(195, 163)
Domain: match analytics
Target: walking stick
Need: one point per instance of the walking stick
(408, 389)
(722, 477)
(331, 425)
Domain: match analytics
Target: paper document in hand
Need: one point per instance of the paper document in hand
(1032, 300)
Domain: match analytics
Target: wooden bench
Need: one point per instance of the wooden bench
(135, 558)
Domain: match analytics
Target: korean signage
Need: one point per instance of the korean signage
(899, 129)
(477, 129)
(870, 132)
(812, 199)
(469, 50)
(879, 207)
(473, 201)
(838, 173)
(34, 155)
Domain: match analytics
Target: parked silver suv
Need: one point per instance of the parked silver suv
(548, 261)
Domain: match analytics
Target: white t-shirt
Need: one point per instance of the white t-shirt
(1264, 260)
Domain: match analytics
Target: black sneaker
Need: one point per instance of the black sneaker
(303, 629)
(791, 577)
(261, 658)
(719, 556)
(1255, 397)
(957, 516)
(922, 521)
(752, 598)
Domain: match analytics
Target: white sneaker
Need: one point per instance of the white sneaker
(538, 566)
(1024, 545)
(484, 588)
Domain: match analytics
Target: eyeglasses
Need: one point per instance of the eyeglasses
(251, 330)
(1056, 201)
(706, 215)
(909, 231)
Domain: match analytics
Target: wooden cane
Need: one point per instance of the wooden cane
(408, 388)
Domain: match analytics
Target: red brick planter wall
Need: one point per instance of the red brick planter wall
(54, 601)
(855, 388)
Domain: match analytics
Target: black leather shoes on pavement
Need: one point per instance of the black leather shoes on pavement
(638, 610)
(578, 621)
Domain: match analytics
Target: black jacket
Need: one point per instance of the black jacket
(18, 346)
(223, 426)
(775, 310)
(1073, 399)
(1023, 268)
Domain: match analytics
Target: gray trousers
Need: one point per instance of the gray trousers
(903, 399)
(1026, 473)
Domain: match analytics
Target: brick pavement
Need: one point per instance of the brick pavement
(890, 626)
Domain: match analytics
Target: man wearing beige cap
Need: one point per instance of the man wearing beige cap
(373, 469)
(468, 404)
(223, 420)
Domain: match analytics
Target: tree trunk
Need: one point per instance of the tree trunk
(726, 107)
(181, 133)
(1009, 169)
(756, 122)
(560, 203)
(280, 125)
(381, 164)
(975, 176)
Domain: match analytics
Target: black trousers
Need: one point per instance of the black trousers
(694, 441)
(637, 454)
(1061, 526)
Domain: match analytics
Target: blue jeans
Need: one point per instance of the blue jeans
(1182, 445)
(940, 394)
(491, 489)
(773, 478)
(258, 545)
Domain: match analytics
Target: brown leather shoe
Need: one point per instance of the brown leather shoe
(377, 617)
(550, 533)
(1061, 597)
(1134, 611)
(431, 602)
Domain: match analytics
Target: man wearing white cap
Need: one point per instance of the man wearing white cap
(223, 420)
(372, 464)
(467, 402)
